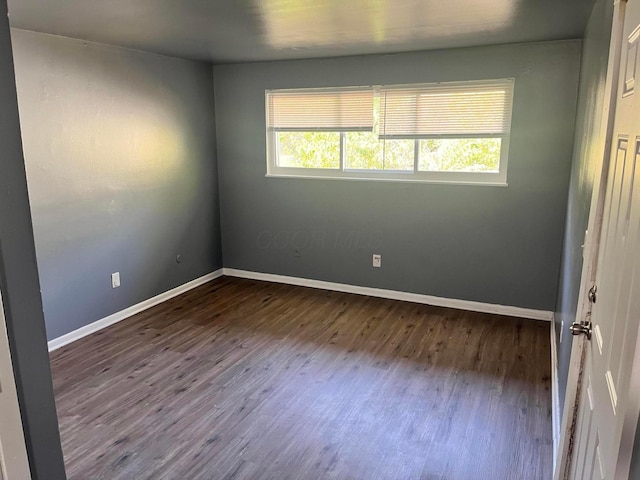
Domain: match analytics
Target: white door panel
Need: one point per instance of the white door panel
(615, 316)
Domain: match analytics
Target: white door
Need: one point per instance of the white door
(607, 413)
(14, 464)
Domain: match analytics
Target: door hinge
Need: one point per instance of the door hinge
(592, 293)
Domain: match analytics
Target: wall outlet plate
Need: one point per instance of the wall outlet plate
(377, 260)
(115, 280)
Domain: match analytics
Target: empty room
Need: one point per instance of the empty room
(296, 239)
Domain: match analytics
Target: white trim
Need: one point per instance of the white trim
(303, 282)
(402, 178)
(14, 461)
(128, 312)
(395, 295)
(555, 394)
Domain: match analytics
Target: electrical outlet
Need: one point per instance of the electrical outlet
(115, 280)
(377, 260)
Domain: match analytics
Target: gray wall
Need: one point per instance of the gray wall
(595, 55)
(488, 244)
(19, 285)
(119, 147)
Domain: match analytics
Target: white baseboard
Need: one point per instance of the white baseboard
(303, 282)
(395, 295)
(555, 395)
(128, 312)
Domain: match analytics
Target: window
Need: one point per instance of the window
(440, 132)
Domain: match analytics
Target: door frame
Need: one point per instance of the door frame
(14, 462)
(588, 276)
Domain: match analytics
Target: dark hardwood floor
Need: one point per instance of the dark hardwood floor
(241, 379)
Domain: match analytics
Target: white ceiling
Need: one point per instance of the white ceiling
(252, 30)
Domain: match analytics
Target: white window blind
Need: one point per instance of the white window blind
(336, 109)
(469, 109)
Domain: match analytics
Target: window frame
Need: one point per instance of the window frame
(415, 176)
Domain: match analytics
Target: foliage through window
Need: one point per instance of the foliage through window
(443, 132)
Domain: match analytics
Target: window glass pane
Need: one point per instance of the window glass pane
(308, 149)
(399, 154)
(365, 151)
(460, 155)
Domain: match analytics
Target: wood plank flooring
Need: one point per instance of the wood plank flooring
(241, 379)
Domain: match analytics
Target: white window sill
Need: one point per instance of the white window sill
(483, 183)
